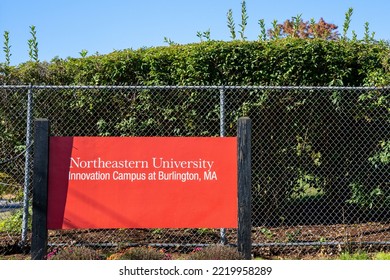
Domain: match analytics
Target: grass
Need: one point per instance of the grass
(382, 256)
(365, 256)
(11, 221)
(354, 256)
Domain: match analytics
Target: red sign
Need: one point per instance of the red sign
(142, 182)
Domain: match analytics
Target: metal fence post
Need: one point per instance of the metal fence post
(222, 134)
(27, 167)
(222, 131)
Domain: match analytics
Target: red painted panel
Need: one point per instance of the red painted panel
(142, 182)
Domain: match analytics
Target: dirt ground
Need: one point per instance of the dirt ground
(327, 241)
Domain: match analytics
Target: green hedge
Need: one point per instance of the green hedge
(277, 62)
(331, 142)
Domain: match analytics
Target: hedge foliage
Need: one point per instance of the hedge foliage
(288, 61)
(339, 143)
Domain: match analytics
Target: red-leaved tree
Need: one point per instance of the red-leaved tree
(297, 28)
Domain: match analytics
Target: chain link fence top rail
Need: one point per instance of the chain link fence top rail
(320, 156)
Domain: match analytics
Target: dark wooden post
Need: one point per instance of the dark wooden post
(40, 182)
(244, 241)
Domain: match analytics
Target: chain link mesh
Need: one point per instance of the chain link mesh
(320, 157)
(13, 116)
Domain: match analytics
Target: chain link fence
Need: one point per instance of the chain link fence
(320, 159)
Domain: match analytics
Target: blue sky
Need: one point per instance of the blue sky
(65, 27)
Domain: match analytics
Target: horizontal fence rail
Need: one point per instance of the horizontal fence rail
(320, 158)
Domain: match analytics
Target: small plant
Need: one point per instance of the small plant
(244, 20)
(354, 256)
(313, 28)
(157, 231)
(268, 234)
(169, 41)
(354, 36)
(83, 53)
(205, 35)
(274, 33)
(7, 49)
(322, 239)
(367, 36)
(33, 45)
(215, 252)
(263, 31)
(382, 256)
(74, 253)
(141, 253)
(292, 236)
(347, 22)
(231, 25)
(204, 231)
(199, 35)
(296, 21)
(14, 221)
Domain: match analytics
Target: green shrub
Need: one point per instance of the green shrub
(382, 256)
(308, 148)
(13, 222)
(354, 256)
(360, 255)
(289, 61)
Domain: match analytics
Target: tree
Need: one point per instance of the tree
(297, 28)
